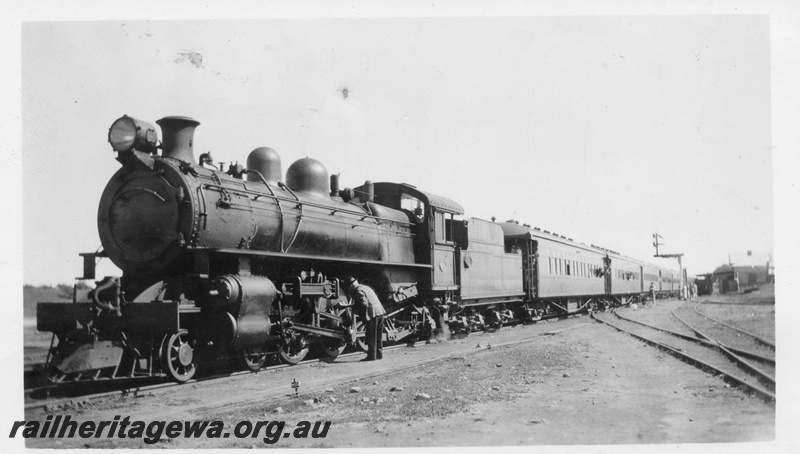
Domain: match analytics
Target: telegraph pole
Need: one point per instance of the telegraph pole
(656, 243)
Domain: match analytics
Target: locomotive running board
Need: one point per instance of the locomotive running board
(315, 257)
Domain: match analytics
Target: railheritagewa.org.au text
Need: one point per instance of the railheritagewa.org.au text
(63, 426)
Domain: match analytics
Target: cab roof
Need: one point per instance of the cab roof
(436, 201)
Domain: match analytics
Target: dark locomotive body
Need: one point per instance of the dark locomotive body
(243, 264)
(705, 284)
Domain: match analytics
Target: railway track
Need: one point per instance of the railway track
(767, 377)
(729, 303)
(162, 387)
(768, 342)
(135, 389)
(70, 393)
(693, 338)
(707, 354)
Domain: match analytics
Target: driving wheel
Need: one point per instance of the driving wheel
(294, 349)
(254, 358)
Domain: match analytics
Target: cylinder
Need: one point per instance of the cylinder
(247, 299)
(178, 137)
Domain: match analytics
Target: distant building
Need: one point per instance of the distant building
(743, 272)
(725, 280)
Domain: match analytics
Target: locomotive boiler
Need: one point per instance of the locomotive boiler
(237, 262)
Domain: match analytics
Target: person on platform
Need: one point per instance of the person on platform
(368, 307)
(653, 292)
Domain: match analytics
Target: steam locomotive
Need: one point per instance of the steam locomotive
(240, 263)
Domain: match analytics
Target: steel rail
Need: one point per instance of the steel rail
(738, 304)
(137, 390)
(158, 386)
(707, 343)
(689, 359)
(30, 367)
(747, 365)
(754, 336)
(315, 386)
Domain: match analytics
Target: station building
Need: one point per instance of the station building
(749, 271)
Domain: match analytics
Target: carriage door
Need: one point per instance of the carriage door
(607, 270)
(444, 273)
(641, 279)
(529, 277)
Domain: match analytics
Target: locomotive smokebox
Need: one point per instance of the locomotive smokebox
(178, 135)
(308, 176)
(267, 162)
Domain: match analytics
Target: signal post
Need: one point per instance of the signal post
(656, 237)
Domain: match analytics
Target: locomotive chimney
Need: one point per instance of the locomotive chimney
(178, 135)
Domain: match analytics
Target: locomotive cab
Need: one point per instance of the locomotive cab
(434, 227)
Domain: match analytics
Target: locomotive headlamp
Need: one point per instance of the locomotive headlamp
(129, 133)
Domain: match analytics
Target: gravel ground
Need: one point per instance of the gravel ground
(585, 385)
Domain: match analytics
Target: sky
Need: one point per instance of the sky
(604, 129)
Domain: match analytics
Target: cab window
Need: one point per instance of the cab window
(413, 206)
(444, 227)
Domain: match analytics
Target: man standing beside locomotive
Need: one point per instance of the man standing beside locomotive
(369, 307)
